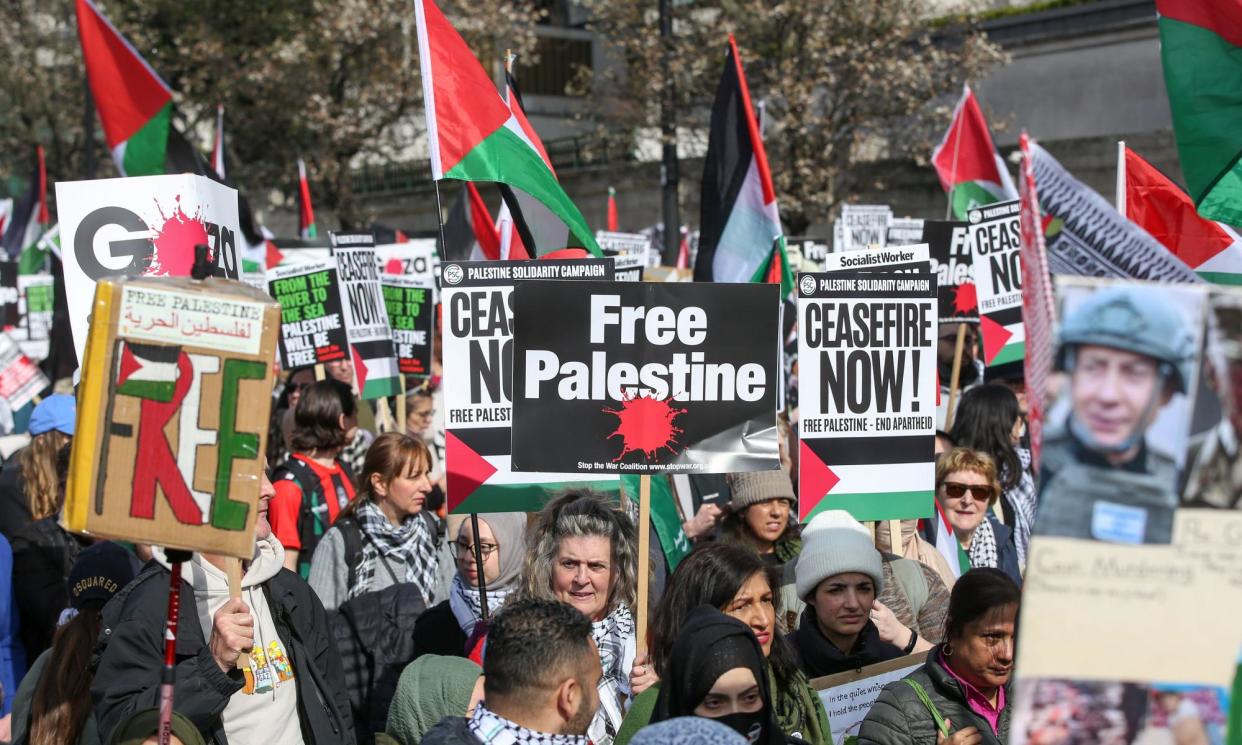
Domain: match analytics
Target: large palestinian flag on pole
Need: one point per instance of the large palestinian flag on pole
(472, 134)
(1159, 206)
(1201, 47)
(469, 233)
(970, 170)
(740, 237)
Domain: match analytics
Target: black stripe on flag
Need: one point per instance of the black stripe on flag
(863, 451)
(458, 232)
(158, 353)
(729, 153)
(1006, 317)
(486, 440)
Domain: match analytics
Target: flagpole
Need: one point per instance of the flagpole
(1120, 201)
(957, 141)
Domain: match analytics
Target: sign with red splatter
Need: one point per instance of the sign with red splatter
(995, 240)
(141, 226)
(951, 263)
(477, 343)
(867, 394)
(413, 258)
(631, 377)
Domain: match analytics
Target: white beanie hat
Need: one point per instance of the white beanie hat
(835, 543)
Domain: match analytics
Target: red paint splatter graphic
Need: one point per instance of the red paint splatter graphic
(393, 267)
(175, 240)
(646, 426)
(964, 298)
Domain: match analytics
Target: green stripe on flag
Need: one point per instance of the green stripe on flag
(380, 387)
(152, 390)
(969, 195)
(145, 150)
(664, 516)
(884, 505)
(1009, 353)
(1222, 278)
(527, 497)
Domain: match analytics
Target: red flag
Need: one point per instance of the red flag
(612, 210)
(1037, 309)
(485, 232)
(44, 218)
(306, 211)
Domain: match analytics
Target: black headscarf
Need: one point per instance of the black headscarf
(709, 645)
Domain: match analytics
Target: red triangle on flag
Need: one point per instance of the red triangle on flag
(1161, 208)
(129, 365)
(995, 337)
(467, 470)
(815, 480)
(273, 255)
(360, 369)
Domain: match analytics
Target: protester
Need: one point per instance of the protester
(970, 371)
(28, 479)
(53, 704)
(965, 680)
(313, 485)
(277, 444)
(420, 417)
(690, 730)
(966, 488)
(539, 680)
(944, 443)
(717, 671)
(384, 536)
(143, 729)
(293, 690)
(916, 548)
(990, 420)
(759, 515)
(839, 576)
(738, 582)
(12, 653)
(583, 553)
(432, 688)
(446, 628)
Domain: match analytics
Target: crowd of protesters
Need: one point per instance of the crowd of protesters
(369, 614)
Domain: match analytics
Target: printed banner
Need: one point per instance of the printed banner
(910, 258)
(411, 313)
(366, 319)
(864, 226)
(905, 231)
(995, 239)
(477, 346)
(847, 697)
(627, 244)
(312, 324)
(140, 226)
(951, 262)
(628, 267)
(20, 378)
(645, 378)
(36, 294)
(867, 394)
(173, 414)
(416, 258)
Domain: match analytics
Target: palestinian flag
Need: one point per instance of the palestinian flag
(740, 235)
(1159, 206)
(612, 210)
(28, 222)
(472, 134)
(1201, 47)
(147, 371)
(948, 545)
(306, 210)
(135, 105)
(6, 209)
(970, 170)
(469, 233)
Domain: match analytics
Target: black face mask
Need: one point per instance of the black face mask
(749, 725)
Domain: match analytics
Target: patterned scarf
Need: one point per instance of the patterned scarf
(411, 544)
(467, 606)
(1025, 502)
(494, 729)
(983, 546)
(615, 638)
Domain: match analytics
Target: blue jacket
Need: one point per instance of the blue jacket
(12, 653)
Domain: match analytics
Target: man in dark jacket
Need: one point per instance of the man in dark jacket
(541, 674)
(292, 692)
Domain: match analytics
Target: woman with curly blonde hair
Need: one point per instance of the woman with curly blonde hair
(583, 553)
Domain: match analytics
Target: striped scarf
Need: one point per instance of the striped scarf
(410, 543)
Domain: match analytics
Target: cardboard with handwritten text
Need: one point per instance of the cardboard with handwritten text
(173, 414)
(848, 696)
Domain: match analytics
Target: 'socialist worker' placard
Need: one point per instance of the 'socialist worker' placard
(867, 394)
(410, 312)
(914, 258)
(995, 247)
(312, 326)
(642, 378)
(478, 379)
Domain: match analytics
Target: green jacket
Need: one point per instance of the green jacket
(24, 697)
(899, 716)
(806, 717)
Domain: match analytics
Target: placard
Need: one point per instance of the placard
(416, 257)
(627, 244)
(628, 267)
(904, 231)
(36, 295)
(173, 414)
(20, 378)
(411, 313)
(995, 242)
(864, 225)
(952, 264)
(140, 226)
(911, 258)
(477, 347)
(312, 324)
(847, 697)
(366, 318)
(867, 394)
(645, 378)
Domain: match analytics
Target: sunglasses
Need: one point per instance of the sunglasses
(956, 490)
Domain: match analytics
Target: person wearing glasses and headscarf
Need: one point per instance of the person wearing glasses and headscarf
(967, 489)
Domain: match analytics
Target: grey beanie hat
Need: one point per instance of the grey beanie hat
(760, 486)
(835, 543)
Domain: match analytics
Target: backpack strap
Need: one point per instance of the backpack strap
(912, 582)
(351, 533)
(941, 726)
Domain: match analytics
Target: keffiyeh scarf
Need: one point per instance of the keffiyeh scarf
(411, 544)
(467, 606)
(615, 638)
(983, 546)
(493, 729)
(1025, 501)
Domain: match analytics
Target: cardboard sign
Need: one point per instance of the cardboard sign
(20, 378)
(36, 294)
(173, 414)
(952, 264)
(312, 324)
(478, 379)
(366, 319)
(140, 226)
(995, 245)
(848, 696)
(645, 378)
(913, 258)
(864, 225)
(411, 313)
(867, 394)
(905, 231)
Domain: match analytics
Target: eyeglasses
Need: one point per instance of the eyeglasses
(956, 490)
(430, 413)
(467, 549)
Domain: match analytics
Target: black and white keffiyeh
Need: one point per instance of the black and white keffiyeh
(492, 729)
(467, 605)
(410, 543)
(983, 546)
(1025, 501)
(615, 637)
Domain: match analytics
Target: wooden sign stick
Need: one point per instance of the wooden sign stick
(320, 372)
(235, 576)
(401, 412)
(956, 376)
(644, 558)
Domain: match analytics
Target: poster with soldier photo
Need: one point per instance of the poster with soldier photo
(1213, 471)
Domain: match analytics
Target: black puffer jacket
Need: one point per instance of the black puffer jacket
(451, 731)
(130, 656)
(899, 716)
